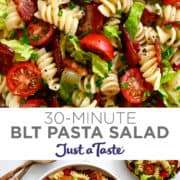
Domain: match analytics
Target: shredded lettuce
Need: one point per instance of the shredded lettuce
(170, 91)
(134, 18)
(113, 33)
(3, 13)
(23, 52)
(99, 66)
(68, 82)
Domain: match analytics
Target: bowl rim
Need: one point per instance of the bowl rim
(69, 164)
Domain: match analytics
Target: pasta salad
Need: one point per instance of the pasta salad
(74, 174)
(90, 53)
(154, 169)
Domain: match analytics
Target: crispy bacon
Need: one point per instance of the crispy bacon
(6, 58)
(26, 9)
(75, 67)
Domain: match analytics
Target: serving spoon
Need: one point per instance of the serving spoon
(24, 168)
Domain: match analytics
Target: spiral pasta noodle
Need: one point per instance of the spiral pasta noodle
(88, 84)
(110, 85)
(79, 175)
(56, 176)
(145, 35)
(109, 101)
(149, 65)
(68, 20)
(171, 13)
(109, 8)
(168, 13)
(169, 37)
(57, 3)
(80, 99)
(176, 58)
(13, 20)
(48, 68)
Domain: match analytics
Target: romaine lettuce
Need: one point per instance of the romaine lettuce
(23, 52)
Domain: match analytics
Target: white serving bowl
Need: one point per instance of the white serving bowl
(80, 166)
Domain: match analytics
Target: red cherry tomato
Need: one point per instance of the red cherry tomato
(6, 60)
(176, 67)
(95, 176)
(67, 171)
(175, 163)
(130, 48)
(133, 86)
(171, 2)
(24, 79)
(164, 174)
(148, 17)
(158, 53)
(149, 169)
(98, 43)
(26, 9)
(34, 103)
(93, 21)
(40, 32)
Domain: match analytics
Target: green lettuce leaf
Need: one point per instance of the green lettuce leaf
(134, 18)
(23, 52)
(3, 13)
(68, 83)
(99, 66)
(113, 33)
(170, 91)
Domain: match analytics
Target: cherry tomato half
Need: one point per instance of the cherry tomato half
(133, 86)
(164, 174)
(24, 79)
(149, 169)
(96, 176)
(40, 32)
(34, 103)
(171, 2)
(98, 43)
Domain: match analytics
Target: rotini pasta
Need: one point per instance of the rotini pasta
(13, 20)
(80, 99)
(171, 13)
(110, 85)
(176, 58)
(68, 20)
(109, 8)
(48, 68)
(169, 37)
(79, 175)
(57, 3)
(145, 35)
(149, 65)
(88, 84)
(56, 176)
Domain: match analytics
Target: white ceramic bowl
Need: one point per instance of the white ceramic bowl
(80, 166)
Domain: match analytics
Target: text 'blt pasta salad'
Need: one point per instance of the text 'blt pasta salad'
(90, 53)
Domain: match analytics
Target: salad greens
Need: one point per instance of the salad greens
(134, 18)
(23, 52)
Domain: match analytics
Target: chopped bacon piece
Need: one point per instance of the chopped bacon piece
(148, 17)
(6, 58)
(75, 67)
(26, 9)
